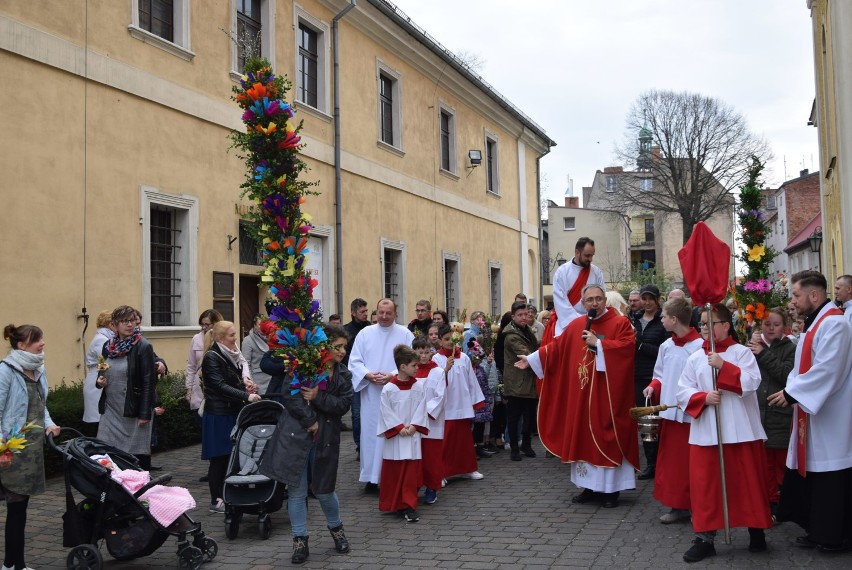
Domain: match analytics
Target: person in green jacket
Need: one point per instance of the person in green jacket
(519, 388)
(775, 354)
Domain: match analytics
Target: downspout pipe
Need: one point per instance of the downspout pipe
(338, 181)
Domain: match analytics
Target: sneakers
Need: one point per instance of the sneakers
(430, 497)
(475, 475)
(483, 453)
(699, 550)
(410, 515)
(218, 506)
(675, 515)
(443, 483)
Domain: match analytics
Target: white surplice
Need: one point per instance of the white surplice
(373, 352)
(463, 391)
(671, 360)
(563, 280)
(825, 392)
(398, 409)
(436, 396)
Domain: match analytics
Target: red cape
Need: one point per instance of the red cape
(590, 422)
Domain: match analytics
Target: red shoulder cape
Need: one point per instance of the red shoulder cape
(590, 421)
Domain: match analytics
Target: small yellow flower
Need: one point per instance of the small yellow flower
(16, 444)
(756, 252)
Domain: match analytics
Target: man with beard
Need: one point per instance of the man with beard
(568, 283)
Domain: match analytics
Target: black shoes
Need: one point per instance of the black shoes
(371, 489)
(341, 545)
(483, 453)
(648, 473)
(609, 500)
(527, 450)
(587, 496)
(344, 427)
(804, 542)
(410, 515)
(300, 550)
(699, 550)
(203, 479)
(515, 455)
(807, 542)
(757, 540)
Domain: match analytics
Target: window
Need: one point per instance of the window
(252, 33)
(390, 119)
(393, 274)
(158, 17)
(569, 224)
(492, 165)
(452, 295)
(649, 229)
(646, 184)
(496, 286)
(164, 24)
(312, 56)
(249, 254)
(770, 203)
(448, 139)
(308, 66)
(249, 24)
(169, 258)
(611, 183)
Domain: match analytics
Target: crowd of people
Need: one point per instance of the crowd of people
(428, 402)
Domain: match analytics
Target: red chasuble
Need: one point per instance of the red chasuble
(583, 414)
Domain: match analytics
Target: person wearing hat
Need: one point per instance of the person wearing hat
(650, 334)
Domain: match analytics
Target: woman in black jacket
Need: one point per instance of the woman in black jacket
(227, 388)
(128, 377)
(650, 334)
(308, 439)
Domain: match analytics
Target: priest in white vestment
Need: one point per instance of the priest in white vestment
(565, 284)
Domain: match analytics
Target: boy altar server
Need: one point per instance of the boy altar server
(402, 421)
(435, 379)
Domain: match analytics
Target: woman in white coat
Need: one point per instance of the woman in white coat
(91, 393)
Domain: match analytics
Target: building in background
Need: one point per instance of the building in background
(831, 22)
(119, 186)
(790, 209)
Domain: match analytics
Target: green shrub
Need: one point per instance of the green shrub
(175, 429)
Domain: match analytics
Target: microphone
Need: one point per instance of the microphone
(592, 314)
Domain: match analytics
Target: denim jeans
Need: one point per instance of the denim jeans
(356, 418)
(298, 509)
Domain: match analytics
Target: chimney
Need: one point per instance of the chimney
(572, 201)
(655, 153)
(803, 172)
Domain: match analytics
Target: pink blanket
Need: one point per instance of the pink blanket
(166, 504)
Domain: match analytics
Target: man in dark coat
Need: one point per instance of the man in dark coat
(360, 321)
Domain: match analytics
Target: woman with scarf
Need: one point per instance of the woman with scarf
(305, 449)
(128, 385)
(194, 393)
(254, 346)
(227, 388)
(23, 392)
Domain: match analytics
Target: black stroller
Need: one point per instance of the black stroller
(111, 513)
(246, 490)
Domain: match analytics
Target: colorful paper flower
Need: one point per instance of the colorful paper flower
(756, 252)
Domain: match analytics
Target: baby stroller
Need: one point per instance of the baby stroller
(111, 513)
(246, 490)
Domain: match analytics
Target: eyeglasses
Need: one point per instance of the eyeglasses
(128, 322)
(705, 325)
(338, 347)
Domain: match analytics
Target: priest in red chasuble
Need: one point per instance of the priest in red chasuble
(584, 412)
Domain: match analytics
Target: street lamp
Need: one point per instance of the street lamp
(815, 241)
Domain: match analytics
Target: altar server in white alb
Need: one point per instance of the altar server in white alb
(431, 445)
(742, 437)
(817, 490)
(402, 422)
(569, 280)
(671, 484)
(372, 366)
(463, 397)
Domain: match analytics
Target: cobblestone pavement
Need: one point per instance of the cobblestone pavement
(518, 516)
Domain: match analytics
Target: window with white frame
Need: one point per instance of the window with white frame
(569, 224)
(389, 112)
(312, 53)
(452, 295)
(252, 32)
(164, 24)
(169, 252)
(447, 133)
(495, 284)
(770, 203)
(611, 183)
(492, 164)
(393, 273)
(646, 185)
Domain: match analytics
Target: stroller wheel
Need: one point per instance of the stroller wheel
(264, 526)
(84, 557)
(208, 547)
(191, 558)
(232, 526)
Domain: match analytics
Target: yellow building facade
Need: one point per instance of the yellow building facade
(119, 186)
(832, 33)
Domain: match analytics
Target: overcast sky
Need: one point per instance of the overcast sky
(577, 66)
